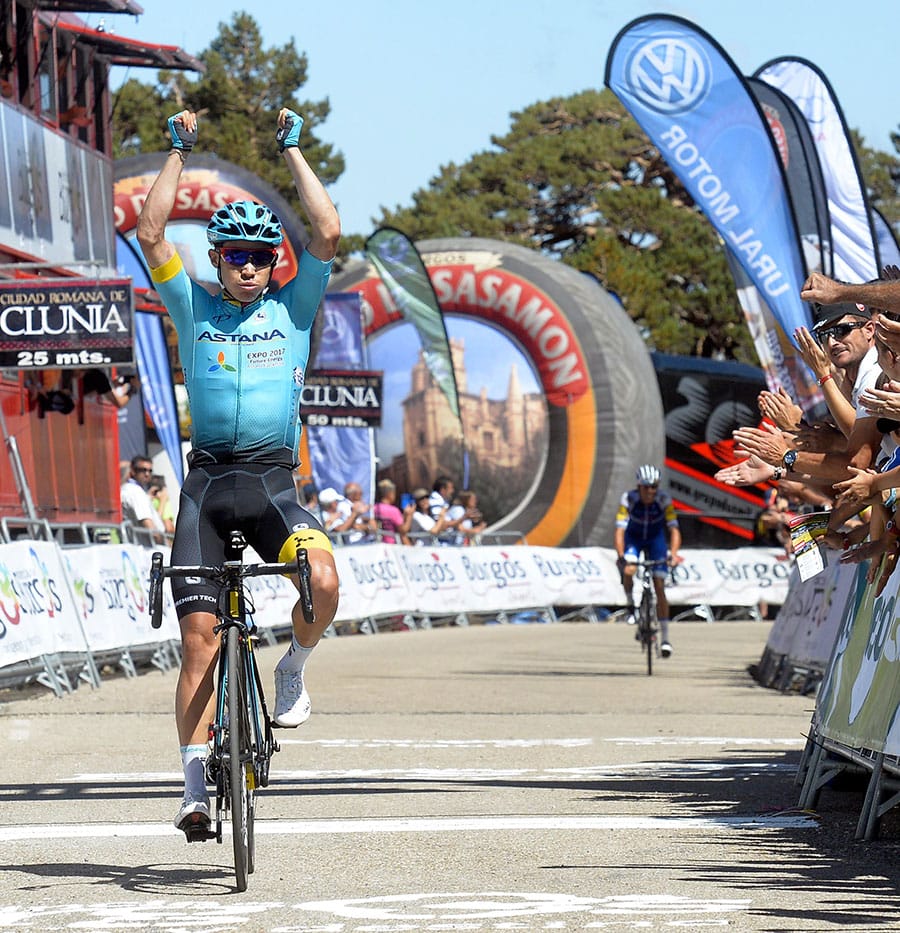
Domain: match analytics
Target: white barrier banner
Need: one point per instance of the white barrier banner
(373, 581)
(37, 612)
(52, 600)
(577, 576)
(807, 624)
(741, 577)
(110, 586)
(476, 579)
(378, 579)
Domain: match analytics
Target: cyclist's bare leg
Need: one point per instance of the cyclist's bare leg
(194, 694)
(194, 710)
(324, 578)
(662, 607)
(628, 572)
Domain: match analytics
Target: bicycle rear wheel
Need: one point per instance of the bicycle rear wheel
(239, 761)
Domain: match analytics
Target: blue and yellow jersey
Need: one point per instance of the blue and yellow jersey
(646, 521)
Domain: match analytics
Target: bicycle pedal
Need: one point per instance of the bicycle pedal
(199, 832)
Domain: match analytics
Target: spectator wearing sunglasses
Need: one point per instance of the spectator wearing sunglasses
(137, 505)
(840, 350)
(244, 353)
(847, 362)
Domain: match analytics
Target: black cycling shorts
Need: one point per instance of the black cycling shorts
(259, 500)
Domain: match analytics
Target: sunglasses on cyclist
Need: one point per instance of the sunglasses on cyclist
(258, 258)
(838, 331)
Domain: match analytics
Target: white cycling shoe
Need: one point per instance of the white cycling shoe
(292, 704)
(194, 813)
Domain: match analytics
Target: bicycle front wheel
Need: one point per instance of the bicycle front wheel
(240, 764)
(647, 637)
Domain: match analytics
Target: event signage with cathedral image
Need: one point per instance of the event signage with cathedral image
(502, 409)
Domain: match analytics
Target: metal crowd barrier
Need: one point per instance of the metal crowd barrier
(424, 539)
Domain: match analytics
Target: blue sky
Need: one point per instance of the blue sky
(416, 84)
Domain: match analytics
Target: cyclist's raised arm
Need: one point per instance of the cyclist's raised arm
(324, 223)
(151, 224)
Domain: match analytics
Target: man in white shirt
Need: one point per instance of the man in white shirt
(137, 506)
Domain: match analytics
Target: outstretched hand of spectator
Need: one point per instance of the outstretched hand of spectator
(768, 442)
(748, 472)
(858, 488)
(819, 438)
(780, 409)
(882, 403)
(820, 288)
(812, 353)
(837, 541)
(887, 331)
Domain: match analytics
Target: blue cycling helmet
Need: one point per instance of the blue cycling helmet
(244, 220)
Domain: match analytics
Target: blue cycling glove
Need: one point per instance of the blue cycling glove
(181, 138)
(288, 136)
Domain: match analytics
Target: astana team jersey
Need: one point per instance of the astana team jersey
(645, 522)
(244, 367)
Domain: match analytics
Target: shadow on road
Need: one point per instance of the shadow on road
(161, 880)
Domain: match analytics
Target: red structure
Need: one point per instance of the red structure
(57, 225)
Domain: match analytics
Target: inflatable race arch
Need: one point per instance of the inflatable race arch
(604, 413)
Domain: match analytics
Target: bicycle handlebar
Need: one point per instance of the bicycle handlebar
(229, 572)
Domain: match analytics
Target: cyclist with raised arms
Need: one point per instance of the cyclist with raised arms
(646, 523)
(244, 354)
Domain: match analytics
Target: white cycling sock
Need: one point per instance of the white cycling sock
(193, 760)
(295, 657)
(664, 629)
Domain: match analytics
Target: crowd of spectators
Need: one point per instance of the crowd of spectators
(848, 463)
(423, 517)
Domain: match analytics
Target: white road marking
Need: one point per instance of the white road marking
(437, 743)
(483, 910)
(422, 825)
(490, 905)
(706, 740)
(463, 774)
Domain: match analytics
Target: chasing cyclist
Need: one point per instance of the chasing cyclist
(646, 522)
(244, 353)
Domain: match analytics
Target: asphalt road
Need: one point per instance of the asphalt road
(481, 779)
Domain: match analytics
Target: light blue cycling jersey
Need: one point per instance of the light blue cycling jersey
(244, 367)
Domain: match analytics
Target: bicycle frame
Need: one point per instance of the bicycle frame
(241, 737)
(646, 620)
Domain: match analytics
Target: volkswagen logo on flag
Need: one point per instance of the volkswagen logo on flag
(668, 75)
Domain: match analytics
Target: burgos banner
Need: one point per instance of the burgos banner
(692, 102)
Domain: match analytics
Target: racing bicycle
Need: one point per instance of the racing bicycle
(241, 738)
(647, 629)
